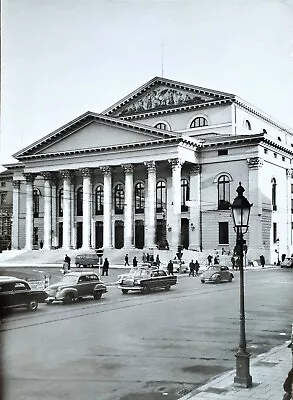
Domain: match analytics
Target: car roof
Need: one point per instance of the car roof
(7, 278)
(80, 273)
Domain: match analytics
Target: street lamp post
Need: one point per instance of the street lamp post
(240, 212)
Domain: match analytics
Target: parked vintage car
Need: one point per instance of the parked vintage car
(288, 263)
(86, 260)
(74, 286)
(145, 279)
(217, 274)
(15, 292)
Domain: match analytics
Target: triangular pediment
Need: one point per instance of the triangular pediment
(163, 94)
(94, 131)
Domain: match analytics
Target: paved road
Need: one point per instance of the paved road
(129, 347)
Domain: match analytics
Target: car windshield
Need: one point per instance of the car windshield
(142, 273)
(213, 268)
(69, 279)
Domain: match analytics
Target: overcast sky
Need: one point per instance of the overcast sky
(61, 58)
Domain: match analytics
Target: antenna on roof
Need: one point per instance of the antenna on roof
(162, 60)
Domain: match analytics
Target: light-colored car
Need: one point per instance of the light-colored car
(74, 286)
(287, 263)
(217, 274)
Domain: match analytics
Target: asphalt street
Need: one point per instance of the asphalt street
(129, 347)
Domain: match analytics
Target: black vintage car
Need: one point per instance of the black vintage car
(16, 292)
(145, 279)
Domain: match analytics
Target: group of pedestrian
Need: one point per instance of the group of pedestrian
(193, 268)
(146, 258)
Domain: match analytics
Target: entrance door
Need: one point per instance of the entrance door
(99, 235)
(185, 233)
(79, 235)
(119, 234)
(139, 234)
(161, 239)
(60, 234)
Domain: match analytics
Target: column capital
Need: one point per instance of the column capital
(86, 172)
(289, 172)
(151, 166)
(47, 175)
(195, 169)
(16, 184)
(254, 162)
(106, 170)
(66, 173)
(128, 168)
(176, 162)
(29, 177)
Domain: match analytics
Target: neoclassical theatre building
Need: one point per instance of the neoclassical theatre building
(161, 164)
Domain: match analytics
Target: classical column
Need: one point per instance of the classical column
(86, 205)
(288, 243)
(54, 210)
(150, 210)
(107, 221)
(72, 211)
(128, 208)
(195, 208)
(176, 165)
(47, 211)
(15, 216)
(255, 245)
(29, 211)
(66, 174)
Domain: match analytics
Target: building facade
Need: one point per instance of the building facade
(5, 209)
(161, 166)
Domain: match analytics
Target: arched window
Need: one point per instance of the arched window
(79, 197)
(198, 121)
(60, 203)
(36, 203)
(162, 125)
(247, 125)
(139, 198)
(184, 194)
(223, 192)
(274, 194)
(99, 200)
(161, 196)
(119, 199)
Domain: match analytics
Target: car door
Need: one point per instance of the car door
(82, 286)
(21, 293)
(7, 295)
(224, 273)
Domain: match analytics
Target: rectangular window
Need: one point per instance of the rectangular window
(3, 184)
(291, 188)
(222, 152)
(223, 233)
(275, 233)
(291, 206)
(3, 199)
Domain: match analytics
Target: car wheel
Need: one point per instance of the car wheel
(49, 301)
(97, 295)
(77, 265)
(218, 279)
(202, 281)
(68, 299)
(124, 291)
(32, 305)
(167, 288)
(230, 278)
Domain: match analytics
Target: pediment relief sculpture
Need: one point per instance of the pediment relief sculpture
(163, 97)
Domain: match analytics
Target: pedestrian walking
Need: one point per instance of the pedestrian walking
(105, 267)
(152, 259)
(67, 260)
(191, 268)
(65, 268)
(134, 261)
(148, 257)
(209, 259)
(262, 261)
(158, 262)
(233, 262)
(41, 244)
(126, 260)
(287, 386)
(144, 258)
(216, 260)
(196, 264)
(170, 268)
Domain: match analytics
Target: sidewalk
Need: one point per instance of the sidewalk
(268, 371)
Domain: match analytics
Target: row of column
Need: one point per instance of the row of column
(50, 220)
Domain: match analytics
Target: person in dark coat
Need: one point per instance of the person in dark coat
(233, 261)
(191, 268)
(67, 260)
(170, 268)
(210, 259)
(196, 264)
(262, 261)
(126, 260)
(41, 244)
(134, 261)
(105, 267)
(287, 386)
(158, 262)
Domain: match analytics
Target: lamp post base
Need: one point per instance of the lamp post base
(243, 377)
